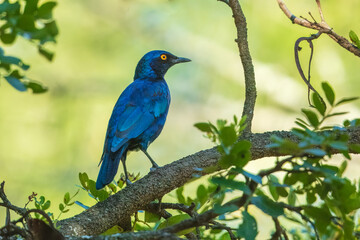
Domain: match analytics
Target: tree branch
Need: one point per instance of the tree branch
(322, 26)
(242, 42)
(118, 207)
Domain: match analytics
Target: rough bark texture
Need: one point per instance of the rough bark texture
(245, 56)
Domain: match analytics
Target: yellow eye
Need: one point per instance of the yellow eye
(163, 57)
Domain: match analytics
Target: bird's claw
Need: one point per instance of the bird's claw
(153, 168)
(128, 182)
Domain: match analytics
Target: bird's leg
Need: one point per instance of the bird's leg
(128, 182)
(154, 165)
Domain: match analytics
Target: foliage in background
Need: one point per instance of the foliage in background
(34, 22)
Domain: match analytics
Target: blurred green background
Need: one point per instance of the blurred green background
(47, 139)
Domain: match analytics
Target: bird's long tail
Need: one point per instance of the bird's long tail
(109, 168)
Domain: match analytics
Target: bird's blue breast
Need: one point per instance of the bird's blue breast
(139, 115)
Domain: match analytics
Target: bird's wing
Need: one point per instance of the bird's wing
(133, 121)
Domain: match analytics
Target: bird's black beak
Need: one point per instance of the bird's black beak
(180, 60)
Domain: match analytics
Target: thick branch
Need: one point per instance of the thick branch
(119, 207)
(242, 42)
(323, 27)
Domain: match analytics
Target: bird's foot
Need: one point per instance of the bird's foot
(128, 182)
(154, 167)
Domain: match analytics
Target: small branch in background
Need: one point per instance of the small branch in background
(322, 26)
(298, 65)
(216, 225)
(245, 56)
(6, 203)
(279, 231)
(33, 228)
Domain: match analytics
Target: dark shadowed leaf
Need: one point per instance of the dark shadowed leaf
(232, 184)
(268, 206)
(225, 209)
(151, 217)
(346, 100)
(45, 10)
(180, 195)
(329, 92)
(319, 104)
(174, 220)
(201, 194)
(16, 83)
(203, 126)
(36, 87)
(312, 117)
(248, 228)
(316, 152)
(46, 53)
(254, 177)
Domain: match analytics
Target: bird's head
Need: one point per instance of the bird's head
(155, 64)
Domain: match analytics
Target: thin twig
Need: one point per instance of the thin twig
(323, 26)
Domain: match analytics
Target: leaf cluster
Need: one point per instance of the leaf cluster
(35, 23)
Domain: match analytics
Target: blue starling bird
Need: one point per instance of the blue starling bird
(139, 114)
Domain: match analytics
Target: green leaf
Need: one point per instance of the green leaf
(310, 197)
(228, 135)
(241, 151)
(67, 198)
(8, 38)
(45, 10)
(342, 168)
(16, 83)
(151, 217)
(225, 209)
(254, 177)
(203, 126)
(346, 100)
(31, 6)
(268, 206)
(180, 195)
(273, 192)
(321, 215)
(232, 184)
(36, 87)
(292, 198)
(315, 151)
(329, 92)
(342, 146)
(174, 220)
(83, 177)
(319, 104)
(312, 117)
(46, 53)
(15, 61)
(201, 194)
(46, 205)
(61, 207)
(248, 228)
(354, 38)
(26, 22)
